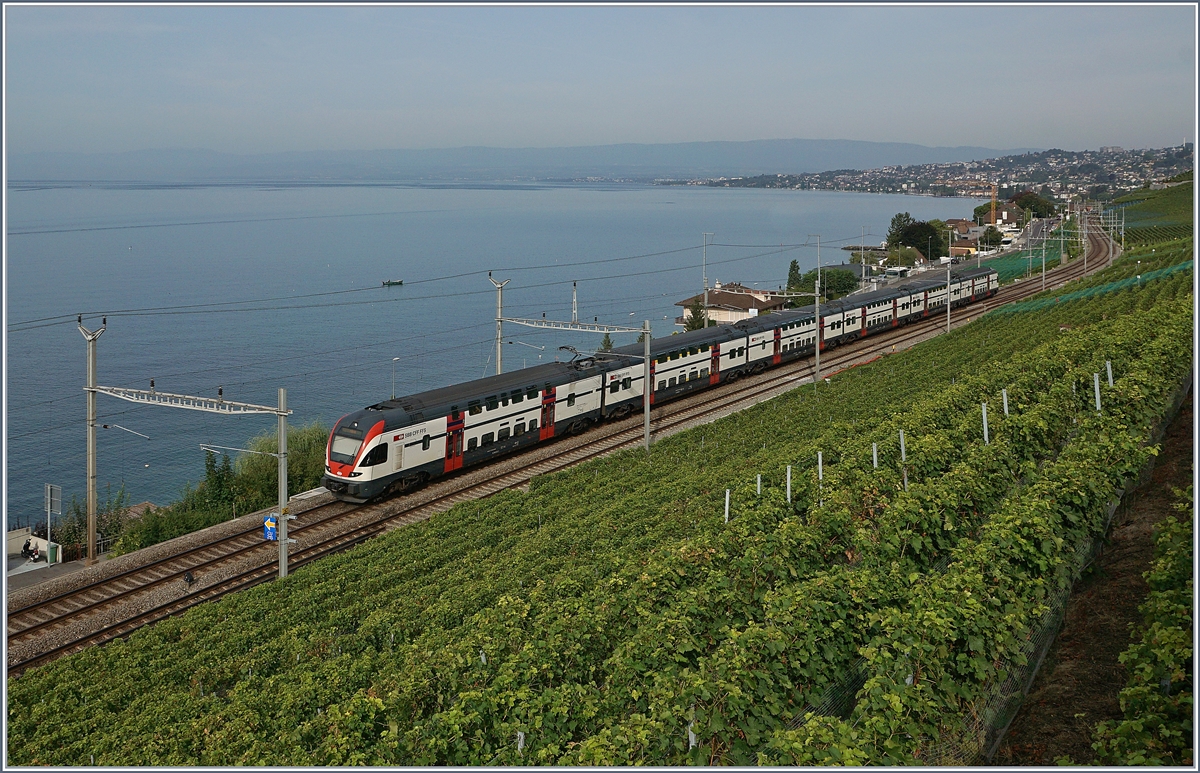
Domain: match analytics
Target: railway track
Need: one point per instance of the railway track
(122, 602)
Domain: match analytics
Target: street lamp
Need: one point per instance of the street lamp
(394, 361)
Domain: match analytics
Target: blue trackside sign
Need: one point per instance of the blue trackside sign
(270, 524)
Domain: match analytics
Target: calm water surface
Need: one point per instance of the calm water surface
(256, 287)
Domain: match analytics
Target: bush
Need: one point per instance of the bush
(249, 484)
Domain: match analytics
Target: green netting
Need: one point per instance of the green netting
(1112, 287)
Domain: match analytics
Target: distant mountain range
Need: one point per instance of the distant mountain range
(682, 160)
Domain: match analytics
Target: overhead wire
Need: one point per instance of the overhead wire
(224, 306)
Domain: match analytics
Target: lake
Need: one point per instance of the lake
(252, 287)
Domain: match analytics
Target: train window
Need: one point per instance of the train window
(474, 408)
(532, 424)
(425, 443)
(504, 433)
(454, 413)
(488, 438)
(376, 455)
(614, 387)
(492, 403)
(704, 373)
(518, 397)
(472, 444)
(692, 350)
(504, 400)
(626, 382)
(693, 375)
(531, 393)
(662, 385)
(519, 429)
(671, 382)
(571, 399)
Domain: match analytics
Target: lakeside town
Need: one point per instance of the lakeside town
(1095, 174)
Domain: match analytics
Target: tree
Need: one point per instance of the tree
(991, 237)
(924, 237)
(641, 337)
(694, 320)
(900, 221)
(793, 280)
(1030, 201)
(606, 345)
(835, 282)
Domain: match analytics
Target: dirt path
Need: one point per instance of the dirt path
(1079, 682)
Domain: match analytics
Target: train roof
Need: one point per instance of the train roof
(974, 272)
(713, 334)
(439, 402)
(775, 319)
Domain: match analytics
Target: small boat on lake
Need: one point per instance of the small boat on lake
(393, 282)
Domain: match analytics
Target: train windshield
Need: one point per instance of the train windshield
(346, 442)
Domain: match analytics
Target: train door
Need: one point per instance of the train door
(778, 347)
(454, 441)
(821, 333)
(546, 430)
(895, 312)
(714, 364)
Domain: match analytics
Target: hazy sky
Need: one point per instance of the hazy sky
(257, 79)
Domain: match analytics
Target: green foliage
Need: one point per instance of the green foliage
(1033, 203)
(922, 236)
(990, 237)
(607, 344)
(1158, 701)
(1169, 206)
(111, 515)
(900, 221)
(835, 282)
(794, 277)
(228, 489)
(695, 316)
(904, 256)
(610, 608)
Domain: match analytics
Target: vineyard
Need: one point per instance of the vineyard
(613, 615)
(1162, 208)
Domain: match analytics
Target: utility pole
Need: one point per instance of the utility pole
(862, 254)
(947, 299)
(649, 386)
(704, 271)
(817, 294)
(818, 256)
(949, 235)
(91, 337)
(499, 320)
(283, 488)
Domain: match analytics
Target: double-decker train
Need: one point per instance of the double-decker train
(399, 444)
